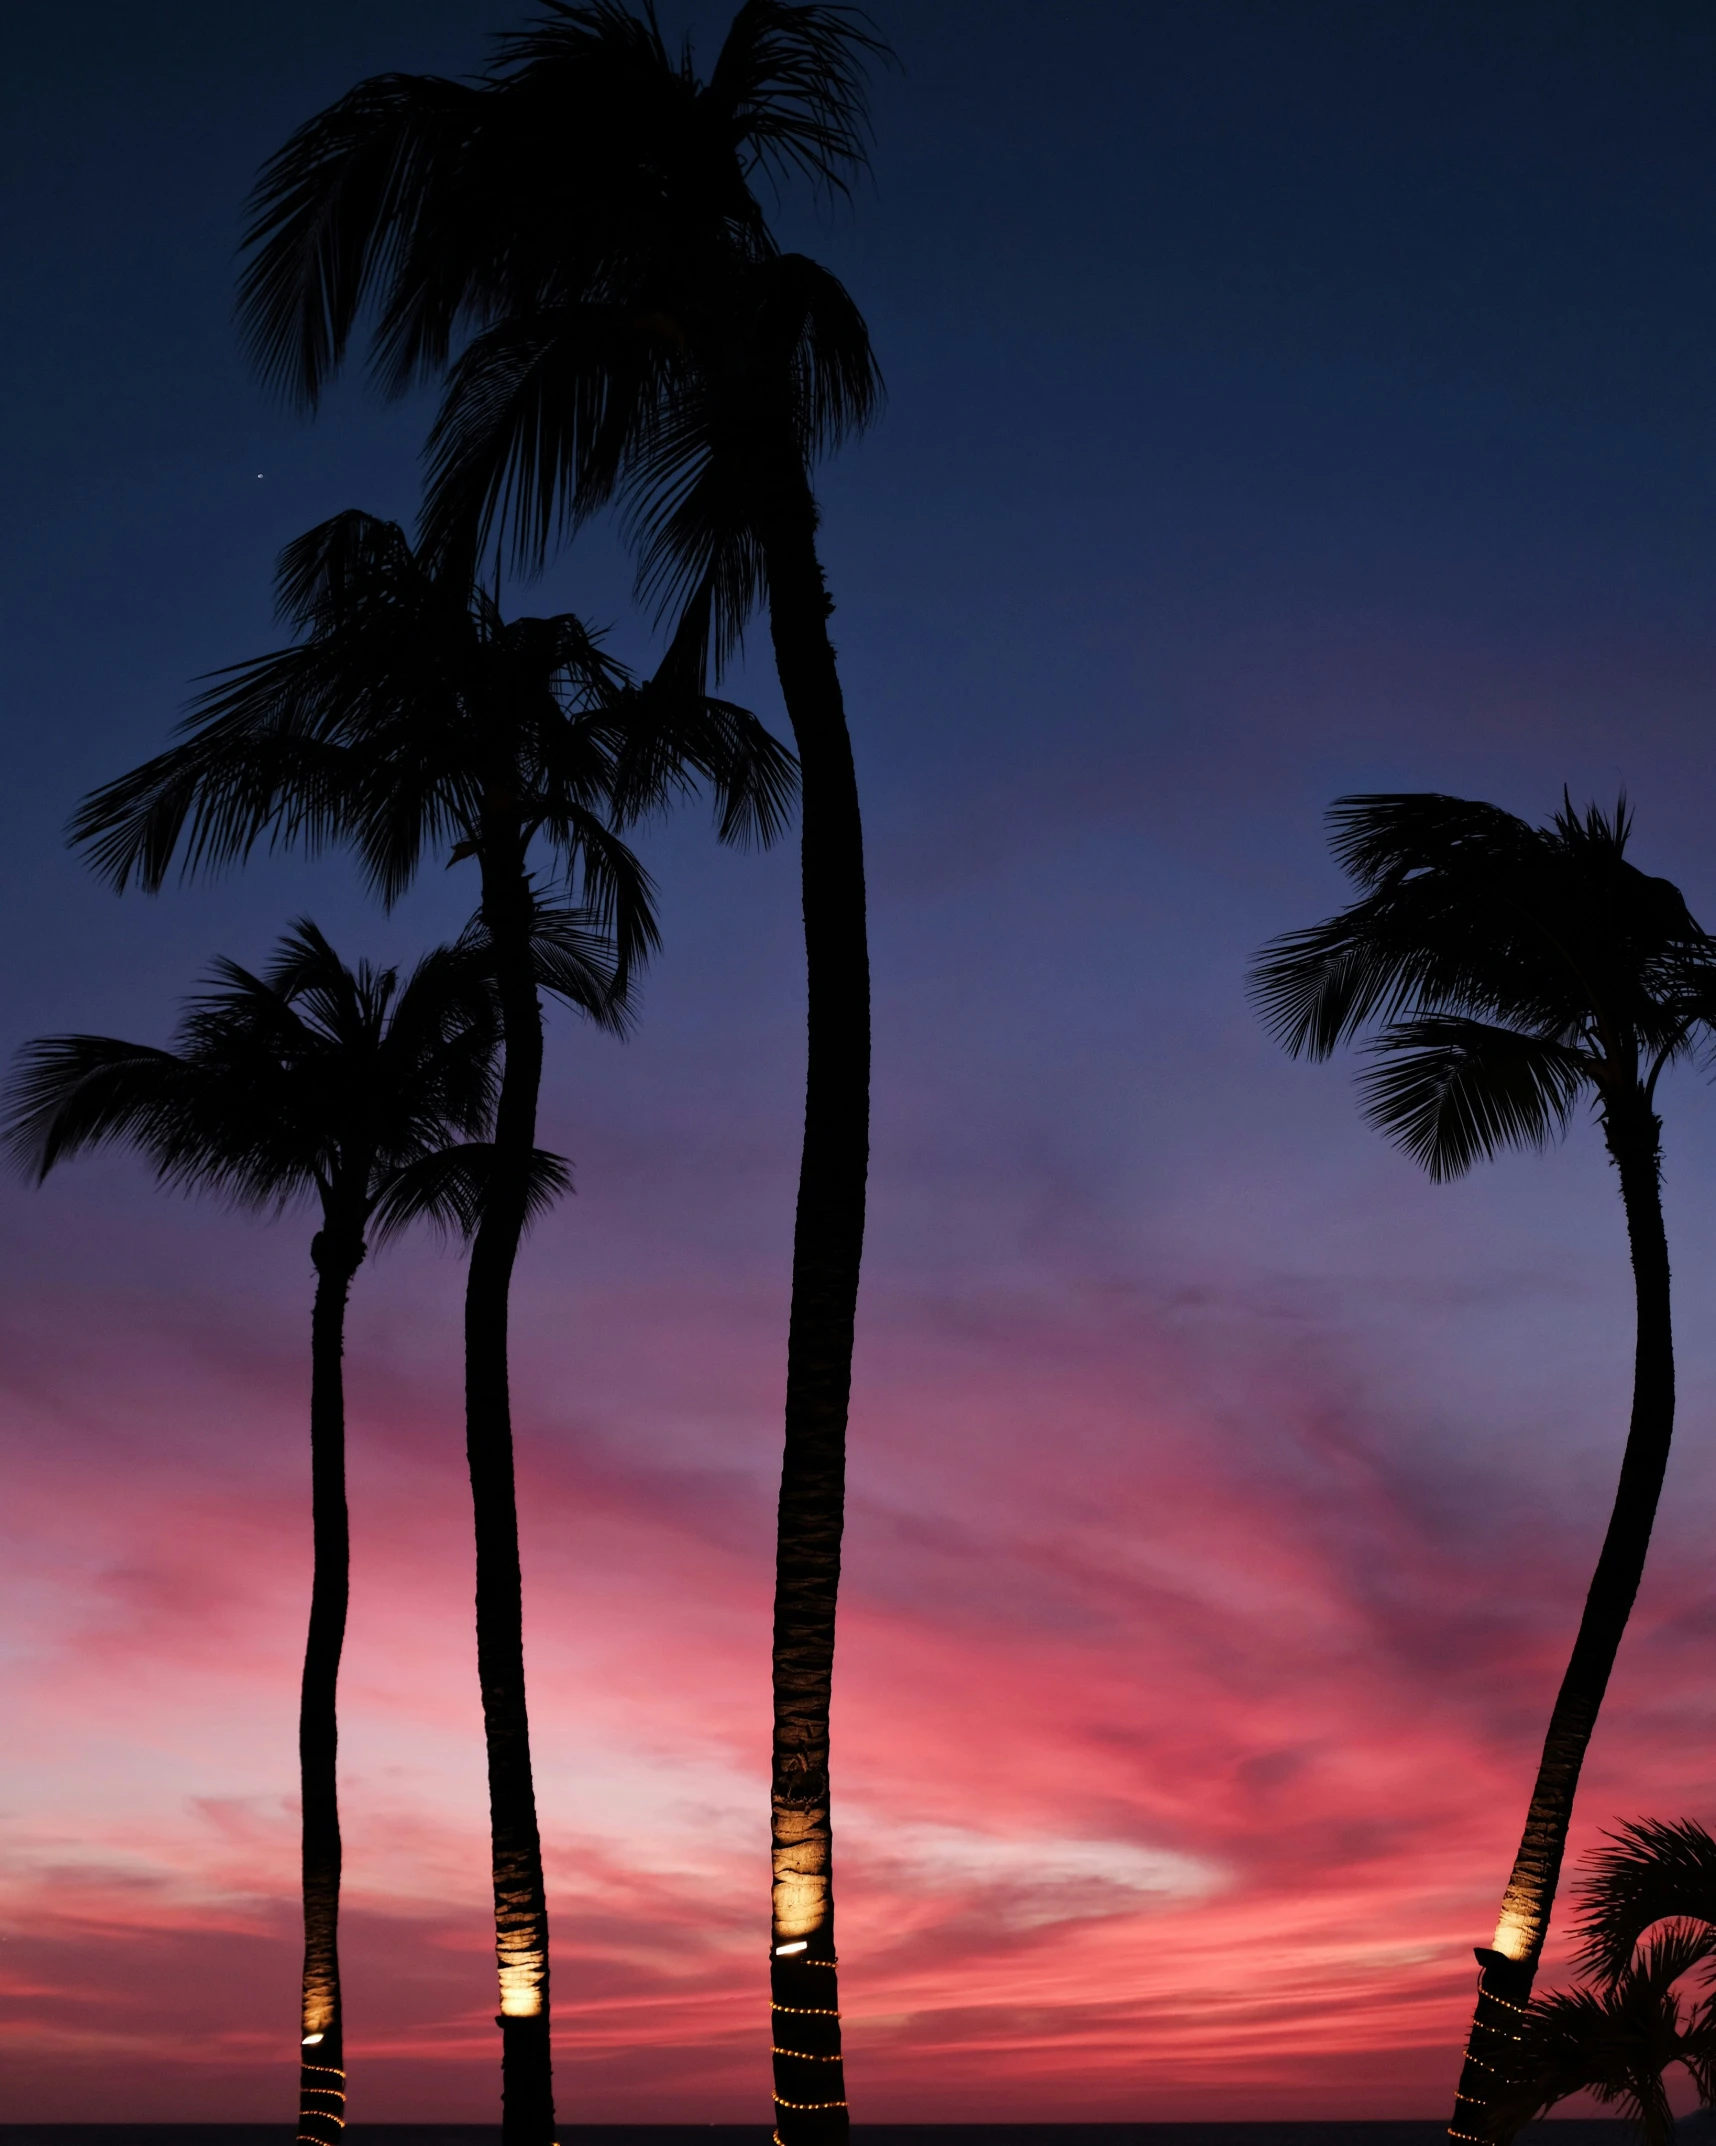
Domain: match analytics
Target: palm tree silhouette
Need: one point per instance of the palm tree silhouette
(585, 213)
(411, 717)
(1614, 2043)
(311, 1080)
(1516, 970)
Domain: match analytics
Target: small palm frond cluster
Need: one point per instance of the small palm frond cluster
(1647, 1923)
(1512, 969)
(274, 1081)
(310, 1081)
(410, 716)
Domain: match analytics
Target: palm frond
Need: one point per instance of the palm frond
(202, 1128)
(68, 1094)
(536, 427)
(1388, 836)
(312, 1079)
(350, 561)
(1452, 1092)
(449, 1189)
(783, 362)
(398, 722)
(573, 957)
(1648, 1871)
(607, 883)
(575, 960)
(336, 214)
(1698, 2050)
(247, 775)
(1318, 988)
(1615, 2046)
(675, 733)
(790, 82)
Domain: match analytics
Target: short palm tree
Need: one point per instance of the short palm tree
(1617, 2040)
(411, 717)
(585, 214)
(312, 1080)
(1615, 2043)
(1515, 971)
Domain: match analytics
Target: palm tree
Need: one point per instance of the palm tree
(312, 1079)
(585, 215)
(1516, 970)
(1614, 2043)
(1617, 2040)
(411, 716)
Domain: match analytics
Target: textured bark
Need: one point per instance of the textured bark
(521, 1910)
(810, 2093)
(1509, 1967)
(321, 2055)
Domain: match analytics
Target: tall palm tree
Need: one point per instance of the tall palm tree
(312, 1080)
(585, 215)
(1515, 971)
(411, 717)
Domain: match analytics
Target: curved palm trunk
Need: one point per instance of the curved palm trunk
(321, 2056)
(828, 1239)
(1508, 1966)
(521, 1909)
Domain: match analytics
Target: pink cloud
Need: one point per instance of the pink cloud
(1180, 1737)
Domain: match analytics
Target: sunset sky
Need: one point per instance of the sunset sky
(1284, 401)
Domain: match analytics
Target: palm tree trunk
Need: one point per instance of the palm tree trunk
(828, 1240)
(321, 2055)
(1508, 1966)
(521, 1908)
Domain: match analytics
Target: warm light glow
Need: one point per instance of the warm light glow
(1513, 1935)
(310, 2040)
(799, 1902)
(521, 1987)
(781, 1951)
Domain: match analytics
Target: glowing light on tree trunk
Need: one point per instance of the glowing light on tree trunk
(800, 1945)
(521, 1986)
(1513, 1934)
(318, 2008)
(800, 1892)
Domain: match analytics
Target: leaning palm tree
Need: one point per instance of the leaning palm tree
(584, 215)
(1516, 971)
(411, 717)
(318, 1081)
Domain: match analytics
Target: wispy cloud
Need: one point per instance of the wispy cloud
(1179, 1733)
